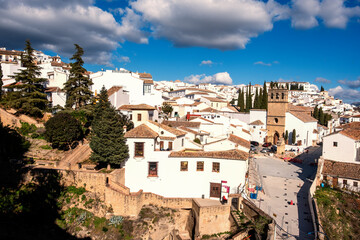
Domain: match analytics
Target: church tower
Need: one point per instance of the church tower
(275, 123)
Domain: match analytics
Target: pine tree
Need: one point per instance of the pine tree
(78, 85)
(293, 137)
(265, 97)
(107, 142)
(30, 97)
(1, 82)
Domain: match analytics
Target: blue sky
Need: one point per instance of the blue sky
(300, 40)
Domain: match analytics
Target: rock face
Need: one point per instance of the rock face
(8, 118)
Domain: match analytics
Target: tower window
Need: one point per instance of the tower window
(277, 96)
(282, 95)
(276, 120)
(272, 95)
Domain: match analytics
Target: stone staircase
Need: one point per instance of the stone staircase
(254, 178)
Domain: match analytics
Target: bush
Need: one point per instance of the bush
(35, 135)
(62, 131)
(46, 147)
(197, 140)
(26, 128)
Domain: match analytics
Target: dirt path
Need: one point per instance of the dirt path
(77, 155)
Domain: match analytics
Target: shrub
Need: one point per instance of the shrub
(35, 135)
(62, 131)
(26, 128)
(197, 140)
(46, 147)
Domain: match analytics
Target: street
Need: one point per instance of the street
(284, 182)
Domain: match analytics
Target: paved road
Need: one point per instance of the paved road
(284, 182)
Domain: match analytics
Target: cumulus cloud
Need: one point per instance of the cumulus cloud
(351, 84)
(304, 13)
(222, 24)
(218, 78)
(206, 62)
(322, 80)
(56, 25)
(346, 94)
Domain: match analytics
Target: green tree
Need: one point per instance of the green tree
(241, 100)
(316, 113)
(77, 87)
(322, 89)
(167, 109)
(30, 97)
(321, 116)
(62, 131)
(248, 99)
(286, 137)
(107, 141)
(1, 82)
(287, 86)
(264, 97)
(293, 137)
(256, 100)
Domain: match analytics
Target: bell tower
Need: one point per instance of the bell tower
(276, 114)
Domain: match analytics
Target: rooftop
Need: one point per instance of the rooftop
(182, 124)
(141, 131)
(230, 154)
(257, 122)
(341, 169)
(240, 141)
(174, 131)
(136, 107)
(113, 90)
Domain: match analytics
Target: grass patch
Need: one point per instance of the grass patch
(46, 147)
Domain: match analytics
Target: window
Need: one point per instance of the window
(345, 182)
(277, 96)
(282, 95)
(335, 144)
(139, 149)
(130, 117)
(272, 95)
(147, 88)
(254, 126)
(153, 169)
(139, 117)
(183, 166)
(276, 120)
(355, 184)
(199, 166)
(170, 146)
(216, 167)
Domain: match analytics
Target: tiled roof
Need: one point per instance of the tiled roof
(199, 93)
(141, 131)
(193, 132)
(113, 90)
(351, 133)
(296, 108)
(353, 125)
(230, 154)
(341, 169)
(52, 89)
(174, 131)
(145, 75)
(136, 107)
(182, 123)
(10, 52)
(246, 131)
(240, 141)
(303, 116)
(166, 138)
(209, 109)
(204, 119)
(212, 99)
(257, 122)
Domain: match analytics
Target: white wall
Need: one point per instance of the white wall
(346, 151)
(258, 115)
(304, 131)
(223, 146)
(58, 98)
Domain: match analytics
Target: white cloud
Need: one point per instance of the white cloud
(351, 84)
(304, 13)
(262, 63)
(218, 78)
(124, 59)
(206, 62)
(346, 94)
(322, 80)
(335, 14)
(221, 24)
(56, 25)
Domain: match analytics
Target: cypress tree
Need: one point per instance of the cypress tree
(77, 87)
(321, 116)
(256, 99)
(248, 99)
(287, 86)
(1, 82)
(30, 97)
(242, 101)
(264, 97)
(107, 141)
(293, 137)
(322, 89)
(316, 112)
(239, 97)
(286, 136)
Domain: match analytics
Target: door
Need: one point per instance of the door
(215, 190)
(335, 182)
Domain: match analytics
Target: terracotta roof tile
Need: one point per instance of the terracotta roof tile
(209, 109)
(240, 141)
(212, 99)
(257, 122)
(174, 131)
(145, 75)
(141, 131)
(136, 107)
(113, 90)
(303, 116)
(246, 131)
(182, 124)
(52, 89)
(166, 138)
(231, 154)
(351, 133)
(341, 169)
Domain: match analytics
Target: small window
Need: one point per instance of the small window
(139, 117)
(355, 184)
(130, 117)
(170, 146)
(335, 144)
(200, 166)
(282, 95)
(254, 126)
(277, 96)
(276, 120)
(345, 182)
(183, 166)
(139, 149)
(153, 169)
(272, 95)
(216, 167)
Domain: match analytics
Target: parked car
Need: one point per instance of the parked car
(253, 148)
(255, 143)
(268, 144)
(265, 150)
(273, 148)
